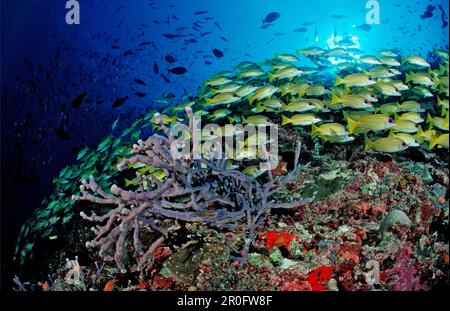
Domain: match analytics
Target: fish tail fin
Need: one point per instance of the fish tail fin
(396, 117)
(420, 132)
(314, 131)
(272, 77)
(251, 99)
(285, 120)
(339, 80)
(244, 120)
(439, 101)
(347, 90)
(334, 99)
(345, 114)
(437, 82)
(368, 145)
(404, 59)
(352, 125)
(391, 133)
(409, 77)
(433, 142)
(429, 119)
(420, 135)
(128, 182)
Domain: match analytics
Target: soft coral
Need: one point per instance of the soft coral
(318, 277)
(278, 239)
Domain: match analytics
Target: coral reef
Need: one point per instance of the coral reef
(193, 190)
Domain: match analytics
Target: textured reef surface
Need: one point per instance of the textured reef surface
(358, 200)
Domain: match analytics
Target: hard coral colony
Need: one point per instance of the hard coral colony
(377, 216)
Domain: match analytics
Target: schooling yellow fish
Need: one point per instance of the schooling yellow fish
(374, 122)
(416, 60)
(407, 138)
(358, 79)
(300, 120)
(441, 141)
(388, 145)
(410, 116)
(222, 99)
(440, 123)
(424, 136)
(328, 129)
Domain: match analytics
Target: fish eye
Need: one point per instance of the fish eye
(391, 120)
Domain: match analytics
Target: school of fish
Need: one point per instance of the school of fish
(396, 102)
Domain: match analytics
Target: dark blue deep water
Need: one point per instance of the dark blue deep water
(59, 81)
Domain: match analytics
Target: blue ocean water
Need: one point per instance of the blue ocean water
(47, 64)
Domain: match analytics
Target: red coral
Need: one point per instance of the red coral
(161, 253)
(281, 169)
(278, 239)
(404, 279)
(350, 251)
(347, 282)
(297, 286)
(427, 212)
(320, 276)
(160, 282)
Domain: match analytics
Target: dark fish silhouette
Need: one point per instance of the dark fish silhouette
(119, 102)
(218, 25)
(170, 59)
(172, 36)
(444, 17)
(217, 53)
(165, 78)
(224, 39)
(338, 16)
(364, 27)
(139, 81)
(79, 100)
(271, 17)
(429, 12)
(155, 68)
(309, 23)
(200, 12)
(178, 70)
(301, 29)
(140, 94)
(62, 134)
(145, 43)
